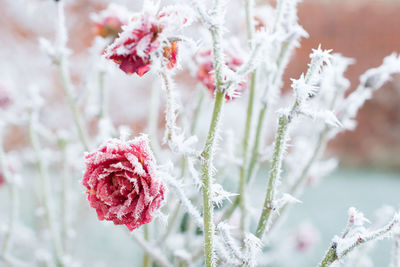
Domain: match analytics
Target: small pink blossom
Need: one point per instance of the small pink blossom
(122, 182)
(143, 41)
(206, 75)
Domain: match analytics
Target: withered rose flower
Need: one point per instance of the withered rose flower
(122, 182)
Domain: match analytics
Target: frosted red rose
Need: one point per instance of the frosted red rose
(141, 42)
(206, 75)
(122, 182)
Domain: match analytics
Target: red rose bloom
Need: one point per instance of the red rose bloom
(122, 183)
(140, 42)
(206, 75)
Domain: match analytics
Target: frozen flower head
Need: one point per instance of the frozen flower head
(144, 41)
(108, 23)
(5, 98)
(122, 182)
(206, 74)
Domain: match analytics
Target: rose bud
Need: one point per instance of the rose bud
(122, 182)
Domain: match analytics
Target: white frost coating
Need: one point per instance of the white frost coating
(219, 194)
(356, 217)
(370, 81)
(326, 116)
(224, 228)
(194, 173)
(186, 203)
(253, 247)
(137, 166)
(284, 200)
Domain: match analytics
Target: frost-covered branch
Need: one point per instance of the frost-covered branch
(341, 246)
(209, 147)
(303, 88)
(186, 203)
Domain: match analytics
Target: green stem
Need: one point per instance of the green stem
(256, 149)
(46, 196)
(246, 136)
(330, 256)
(209, 147)
(274, 174)
(146, 256)
(206, 167)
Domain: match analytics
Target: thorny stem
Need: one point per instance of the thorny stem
(151, 251)
(206, 166)
(261, 115)
(280, 143)
(321, 143)
(332, 254)
(208, 151)
(13, 211)
(246, 136)
(44, 180)
(183, 170)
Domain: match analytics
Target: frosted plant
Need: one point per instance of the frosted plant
(181, 186)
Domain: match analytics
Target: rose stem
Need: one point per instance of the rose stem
(250, 108)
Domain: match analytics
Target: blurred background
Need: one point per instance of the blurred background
(369, 174)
